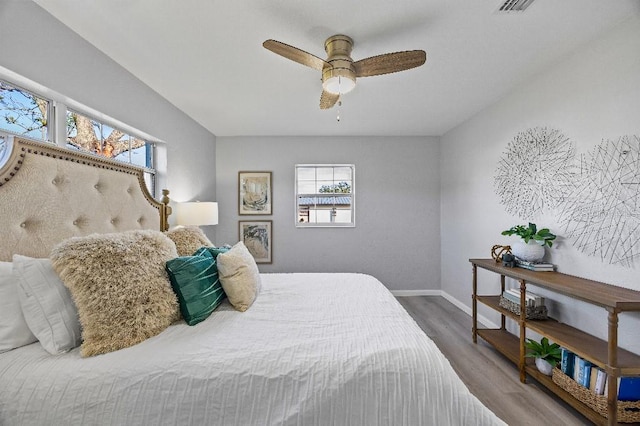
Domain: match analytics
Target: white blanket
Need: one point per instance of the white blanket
(314, 349)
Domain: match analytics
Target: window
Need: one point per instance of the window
(5, 148)
(26, 113)
(23, 113)
(87, 134)
(325, 195)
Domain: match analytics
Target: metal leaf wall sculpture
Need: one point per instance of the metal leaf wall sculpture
(602, 214)
(596, 198)
(535, 171)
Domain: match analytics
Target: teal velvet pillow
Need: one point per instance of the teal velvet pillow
(213, 251)
(195, 281)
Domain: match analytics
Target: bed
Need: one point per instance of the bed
(313, 349)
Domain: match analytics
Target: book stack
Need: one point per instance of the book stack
(531, 299)
(595, 379)
(583, 372)
(535, 266)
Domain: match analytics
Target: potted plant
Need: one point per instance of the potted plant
(547, 354)
(531, 248)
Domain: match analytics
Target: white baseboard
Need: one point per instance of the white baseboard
(405, 293)
(467, 310)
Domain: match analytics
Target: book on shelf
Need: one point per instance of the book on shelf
(581, 369)
(606, 383)
(586, 374)
(567, 359)
(511, 298)
(601, 380)
(535, 266)
(583, 372)
(577, 368)
(629, 389)
(593, 377)
(531, 299)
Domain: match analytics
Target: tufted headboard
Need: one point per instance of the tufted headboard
(48, 194)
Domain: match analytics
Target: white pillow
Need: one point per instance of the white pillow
(47, 305)
(14, 331)
(239, 276)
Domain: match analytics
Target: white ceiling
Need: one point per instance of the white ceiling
(206, 56)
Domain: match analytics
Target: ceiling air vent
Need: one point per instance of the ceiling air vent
(515, 5)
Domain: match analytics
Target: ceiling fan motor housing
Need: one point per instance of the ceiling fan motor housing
(340, 77)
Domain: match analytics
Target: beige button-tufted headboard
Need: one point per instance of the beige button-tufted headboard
(48, 194)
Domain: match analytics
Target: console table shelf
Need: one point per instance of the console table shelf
(577, 341)
(603, 353)
(507, 344)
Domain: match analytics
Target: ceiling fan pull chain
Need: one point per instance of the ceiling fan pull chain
(339, 99)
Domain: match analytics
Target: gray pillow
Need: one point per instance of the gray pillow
(239, 276)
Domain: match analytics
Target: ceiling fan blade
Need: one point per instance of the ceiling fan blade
(389, 62)
(295, 54)
(328, 100)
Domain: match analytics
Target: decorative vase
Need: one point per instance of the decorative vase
(544, 366)
(531, 252)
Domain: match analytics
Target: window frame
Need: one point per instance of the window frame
(49, 115)
(102, 123)
(57, 107)
(7, 147)
(352, 195)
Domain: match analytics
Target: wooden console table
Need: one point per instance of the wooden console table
(604, 353)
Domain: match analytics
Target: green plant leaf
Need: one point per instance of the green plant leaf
(542, 237)
(550, 352)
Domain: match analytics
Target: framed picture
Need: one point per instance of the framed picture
(254, 193)
(256, 235)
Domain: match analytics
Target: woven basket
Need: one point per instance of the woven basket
(534, 313)
(628, 411)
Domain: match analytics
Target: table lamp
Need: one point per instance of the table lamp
(197, 213)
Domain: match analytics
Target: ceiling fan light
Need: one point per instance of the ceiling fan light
(338, 84)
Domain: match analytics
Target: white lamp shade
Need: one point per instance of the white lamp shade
(197, 213)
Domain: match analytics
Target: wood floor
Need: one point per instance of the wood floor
(489, 376)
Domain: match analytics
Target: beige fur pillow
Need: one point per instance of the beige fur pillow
(120, 287)
(188, 239)
(239, 276)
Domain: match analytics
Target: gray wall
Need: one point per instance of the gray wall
(590, 96)
(37, 46)
(397, 233)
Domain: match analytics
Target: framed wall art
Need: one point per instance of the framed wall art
(254, 193)
(256, 235)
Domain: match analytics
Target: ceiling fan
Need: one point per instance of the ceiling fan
(339, 71)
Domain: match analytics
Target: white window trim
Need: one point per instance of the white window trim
(59, 104)
(351, 224)
(4, 155)
(58, 134)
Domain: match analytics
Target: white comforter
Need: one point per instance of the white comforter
(314, 349)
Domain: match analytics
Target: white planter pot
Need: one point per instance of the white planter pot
(544, 366)
(531, 252)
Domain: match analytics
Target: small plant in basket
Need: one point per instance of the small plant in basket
(547, 354)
